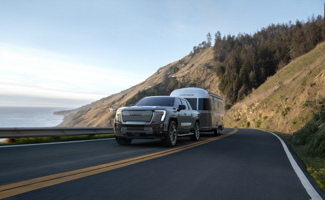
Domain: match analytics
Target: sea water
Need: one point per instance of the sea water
(13, 117)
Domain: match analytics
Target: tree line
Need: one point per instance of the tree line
(202, 45)
(244, 62)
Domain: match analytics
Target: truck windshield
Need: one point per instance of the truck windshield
(156, 101)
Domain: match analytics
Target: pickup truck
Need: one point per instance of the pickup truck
(162, 117)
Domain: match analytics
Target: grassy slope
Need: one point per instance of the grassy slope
(287, 100)
(194, 68)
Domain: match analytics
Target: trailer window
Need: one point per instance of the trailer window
(193, 102)
(204, 104)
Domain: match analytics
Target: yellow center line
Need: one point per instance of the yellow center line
(45, 181)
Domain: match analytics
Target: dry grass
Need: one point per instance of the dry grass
(287, 99)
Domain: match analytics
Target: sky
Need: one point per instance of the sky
(69, 53)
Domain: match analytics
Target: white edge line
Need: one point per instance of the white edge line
(51, 143)
(305, 182)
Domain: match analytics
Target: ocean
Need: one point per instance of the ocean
(30, 116)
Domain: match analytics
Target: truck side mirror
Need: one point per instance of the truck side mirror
(181, 107)
(130, 105)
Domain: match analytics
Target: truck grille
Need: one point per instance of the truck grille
(137, 115)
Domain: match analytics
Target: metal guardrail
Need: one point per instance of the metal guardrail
(53, 131)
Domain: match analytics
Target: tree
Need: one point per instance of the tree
(244, 62)
(209, 38)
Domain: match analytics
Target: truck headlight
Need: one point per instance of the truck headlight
(159, 115)
(118, 116)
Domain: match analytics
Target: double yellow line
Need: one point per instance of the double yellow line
(46, 181)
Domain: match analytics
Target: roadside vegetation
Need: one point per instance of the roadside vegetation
(315, 163)
(309, 145)
(33, 140)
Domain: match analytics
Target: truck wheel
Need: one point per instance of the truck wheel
(123, 141)
(171, 138)
(196, 131)
(217, 132)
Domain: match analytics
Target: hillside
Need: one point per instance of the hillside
(244, 62)
(196, 68)
(287, 101)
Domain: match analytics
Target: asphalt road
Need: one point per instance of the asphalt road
(249, 164)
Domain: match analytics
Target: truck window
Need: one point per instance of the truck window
(188, 105)
(193, 102)
(204, 104)
(185, 104)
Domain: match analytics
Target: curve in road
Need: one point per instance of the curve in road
(250, 164)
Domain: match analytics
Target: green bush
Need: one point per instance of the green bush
(227, 106)
(305, 134)
(316, 145)
(247, 124)
(258, 123)
(320, 115)
(285, 111)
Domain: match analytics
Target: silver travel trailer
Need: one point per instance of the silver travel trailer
(209, 105)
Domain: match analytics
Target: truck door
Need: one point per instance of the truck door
(187, 121)
(181, 117)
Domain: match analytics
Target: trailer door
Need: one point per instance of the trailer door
(205, 113)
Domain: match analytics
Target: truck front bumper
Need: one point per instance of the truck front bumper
(141, 131)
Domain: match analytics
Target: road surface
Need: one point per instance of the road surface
(244, 164)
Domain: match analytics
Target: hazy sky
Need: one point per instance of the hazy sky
(72, 52)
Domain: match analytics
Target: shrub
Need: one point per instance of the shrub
(247, 124)
(304, 135)
(285, 111)
(316, 145)
(227, 106)
(258, 123)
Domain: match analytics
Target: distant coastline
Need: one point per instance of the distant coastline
(30, 116)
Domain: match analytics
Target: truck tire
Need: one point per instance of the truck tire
(196, 131)
(217, 131)
(171, 138)
(123, 141)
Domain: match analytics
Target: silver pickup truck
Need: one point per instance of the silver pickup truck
(161, 117)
